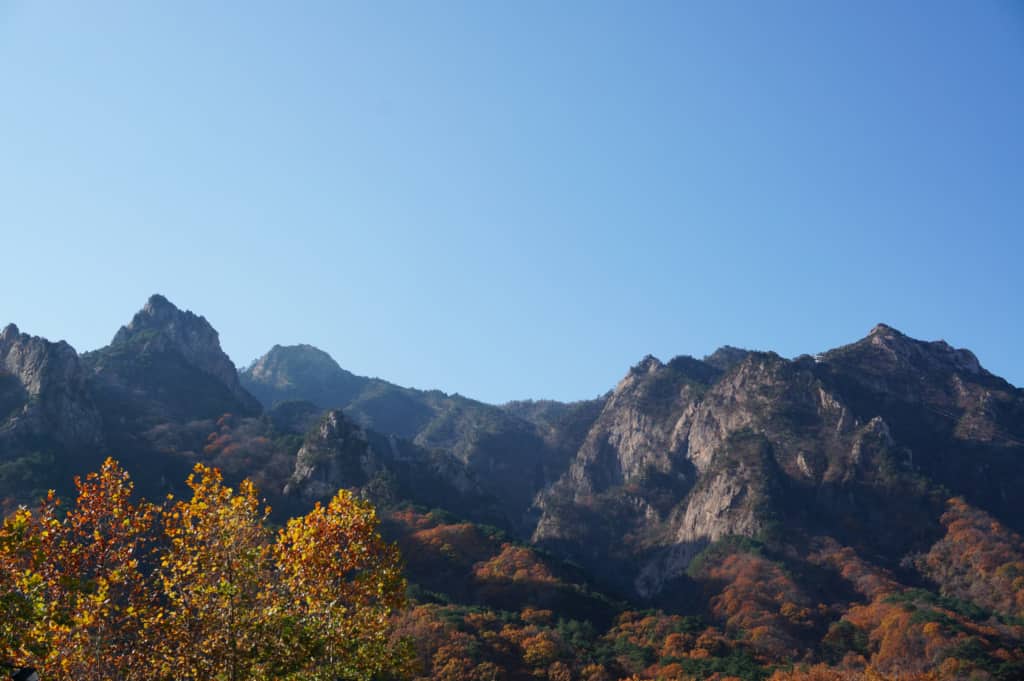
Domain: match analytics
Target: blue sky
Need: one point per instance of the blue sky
(522, 199)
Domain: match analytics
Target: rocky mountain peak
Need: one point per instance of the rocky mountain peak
(161, 328)
(281, 361)
(37, 361)
(884, 330)
(726, 357)
(158, 305)
(43, 391)
(905, 353)
(334, 454)
(289, 372)
(334, 426)
(160, 316)
(649, 364)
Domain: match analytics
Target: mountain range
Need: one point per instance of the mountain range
(846, 476)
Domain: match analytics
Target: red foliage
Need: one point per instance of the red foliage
(240, 448)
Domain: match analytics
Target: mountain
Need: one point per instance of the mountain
(727, 516)
(301, 372)
(44, 400)
(863, 443)
(510, 454)
(337, 453)
(163, 394)
(47, 413)
(167, 364)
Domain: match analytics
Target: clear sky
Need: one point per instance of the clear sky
(517, 199)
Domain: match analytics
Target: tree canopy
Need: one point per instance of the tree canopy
(203, 588)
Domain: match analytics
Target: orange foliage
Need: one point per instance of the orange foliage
(822, 672)
(759, 598)
(534, 616)
(458, 545)
(80, 573)
(911, 635)
(514, 564)
(651, 630)
(979, 560)
(480, 646)
(102, 591)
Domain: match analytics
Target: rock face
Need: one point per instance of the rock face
(161, 328)
(726, 357)
(338, 453)
(167, 364)
(747, 443)
(636, 431)
(44, 396)
(959, 425)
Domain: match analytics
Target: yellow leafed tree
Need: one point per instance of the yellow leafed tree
(78, 582)
(104, 591)
(214, 575)
(342, 582)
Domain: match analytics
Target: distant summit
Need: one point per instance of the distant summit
(161, 326)
(164, 345)
(726, 357)
(301, 372)
(886, 349)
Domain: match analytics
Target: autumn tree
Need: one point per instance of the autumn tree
(341, 581)
(92, 558)
(219, 597)
(22, 591)
(74, 583)
(213, 575)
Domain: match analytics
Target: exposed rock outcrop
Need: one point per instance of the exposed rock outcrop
(635, 433)
(44, 395)
(167, 365)
(747, 442)
(160, 328)
(338, 453)
(335, 455)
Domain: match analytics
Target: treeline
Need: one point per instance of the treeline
(113, 588)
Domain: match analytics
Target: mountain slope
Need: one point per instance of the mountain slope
(44, 399)
(862, 443)
(47, 416)
(510, 455)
